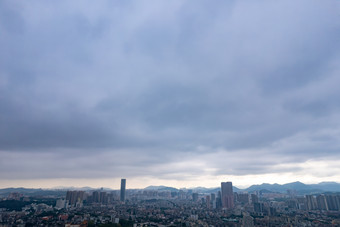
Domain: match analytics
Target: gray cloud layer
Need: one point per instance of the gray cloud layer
(126, 87)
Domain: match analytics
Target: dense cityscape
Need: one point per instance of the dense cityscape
(166, 206)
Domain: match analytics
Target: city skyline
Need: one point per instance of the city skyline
(176, 93)
(157, 207)
(297, 185)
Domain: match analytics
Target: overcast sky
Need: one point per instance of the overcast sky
(179, 93)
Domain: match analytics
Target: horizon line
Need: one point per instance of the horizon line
(99, 188)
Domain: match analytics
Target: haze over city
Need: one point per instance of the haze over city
(175, 93)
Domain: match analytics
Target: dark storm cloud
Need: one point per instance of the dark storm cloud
(160, 83)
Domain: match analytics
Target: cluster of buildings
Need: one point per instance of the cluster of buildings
(321, 202)
(224, 198)
(133, 208)
(79, 198)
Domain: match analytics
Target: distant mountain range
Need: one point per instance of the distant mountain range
(298, 187)
(161, 188)
(32, 191)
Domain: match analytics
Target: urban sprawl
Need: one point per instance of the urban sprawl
(165, 206)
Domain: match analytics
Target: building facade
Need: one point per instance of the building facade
(122, 189)
(227, 195)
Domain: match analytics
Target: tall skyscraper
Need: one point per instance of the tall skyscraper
(227, 195)
(219, 200)
(322, 203)
(122, 189)
(207, 200)
(194, 197)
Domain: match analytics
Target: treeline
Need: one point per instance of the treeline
(17, 205)
(13, 204)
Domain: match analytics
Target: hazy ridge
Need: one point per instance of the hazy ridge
(298, 187)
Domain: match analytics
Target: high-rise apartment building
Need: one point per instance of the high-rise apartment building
(322, 203)
(311, 202)
(74, 197)
(122, 189)
(227, 195)
(243, 198)
(254, 198)
(208, 201)
(195, 197)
